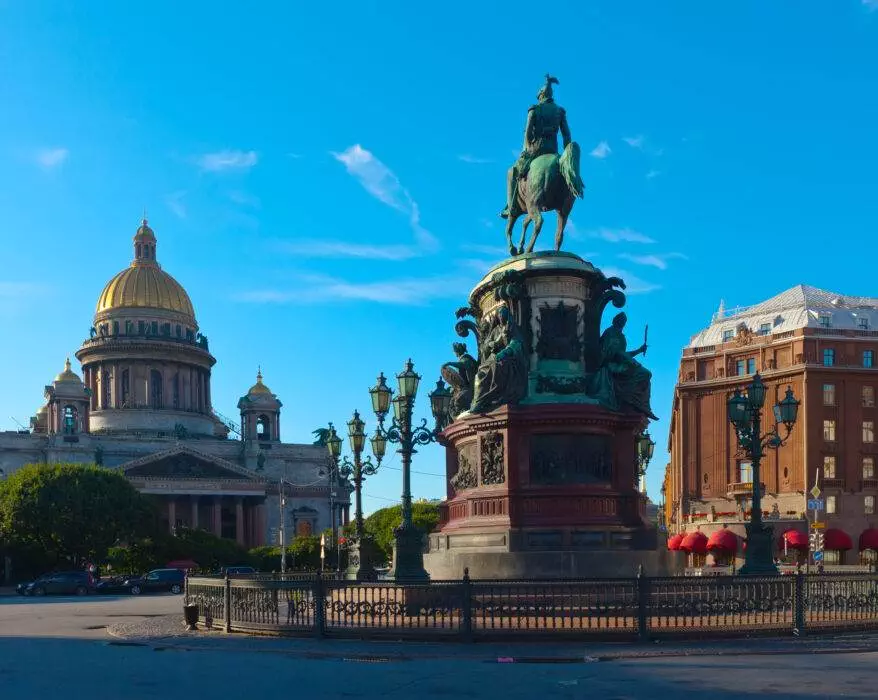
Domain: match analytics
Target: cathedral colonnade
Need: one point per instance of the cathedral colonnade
(239, 518)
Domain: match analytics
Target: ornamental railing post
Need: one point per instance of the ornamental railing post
(319, 595)
(466, 607)
(799, 603)
(642, 605)
(227, 602)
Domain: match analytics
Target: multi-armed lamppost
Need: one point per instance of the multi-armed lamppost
(745, 414)
(645, 449)
(408, 555)
(360, 564)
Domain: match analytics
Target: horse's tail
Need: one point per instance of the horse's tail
(569, 164)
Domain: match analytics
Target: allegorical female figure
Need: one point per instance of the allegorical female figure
(502, 375)
(622, 382)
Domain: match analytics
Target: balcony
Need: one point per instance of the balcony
(832, 483)
(742, 488)
(868, 484)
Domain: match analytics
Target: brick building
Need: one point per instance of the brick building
(821, 344)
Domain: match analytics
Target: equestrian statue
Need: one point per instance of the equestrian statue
(541, 180)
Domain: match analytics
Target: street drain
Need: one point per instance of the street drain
(96, 627)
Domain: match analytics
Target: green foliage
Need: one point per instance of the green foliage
(381, 524)
(303, 554)
(71, 512)
(207, 550)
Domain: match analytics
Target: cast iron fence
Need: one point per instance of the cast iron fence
(640, 607)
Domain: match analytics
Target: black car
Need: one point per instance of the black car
(58, 583)
(237, 570)
(158, 581)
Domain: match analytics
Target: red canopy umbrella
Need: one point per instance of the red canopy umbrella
(869, 539)
(675, 541)
(795, 539)
(724, 540)
(694, 543)
(835, 539)
(182, 564)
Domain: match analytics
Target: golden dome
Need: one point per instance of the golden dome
(259, 387)
(68, 375)
(144, 285)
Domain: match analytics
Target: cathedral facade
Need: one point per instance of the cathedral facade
(142, 404)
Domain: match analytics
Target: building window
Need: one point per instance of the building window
(829, 430)
(869, 505)
(831, 505)
(832, 556)
(867, 358)
(263, 428)
(155, 385)
(179, 332)
(828, 466)
(141, 327)
(862, 323)
(728, 335)
(69, 420)
(751, 365)
(868, 467)
(829, 394)
(826, 320)
(828, 357)
(764, 329)
(740, 368)
(868, 431)
(868, 397)
(126, 389)
(154, 326)
(745, 472)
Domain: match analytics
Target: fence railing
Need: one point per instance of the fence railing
(640, 607)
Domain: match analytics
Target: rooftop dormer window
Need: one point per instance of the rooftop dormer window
(863, 323)
(764, 328)
(728, 334)
(825, 320)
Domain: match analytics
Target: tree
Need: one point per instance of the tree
(72, 511)
(381, 524)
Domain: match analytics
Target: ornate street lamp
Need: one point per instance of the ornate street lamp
(360, 564)
(745, 414)
(645, 450)
(408, 555)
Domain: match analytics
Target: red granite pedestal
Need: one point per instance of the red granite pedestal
(543, 491)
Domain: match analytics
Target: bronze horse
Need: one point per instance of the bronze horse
(552, 184)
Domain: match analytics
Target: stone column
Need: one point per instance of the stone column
(261, 532)
(218, 516)
(347, 513)
(117, 386)
(239, 520)
(194, 524)
(207, 404)
(172, 514)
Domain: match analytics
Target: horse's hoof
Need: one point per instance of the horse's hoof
(513, 251)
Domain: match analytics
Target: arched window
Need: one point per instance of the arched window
(126, 389)
(155, 387)
(137, 252)
(69, 420)
(263, 428)
(106, 388)
(303, 528)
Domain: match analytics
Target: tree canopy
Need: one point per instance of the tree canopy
(381, 524)
(72, 511)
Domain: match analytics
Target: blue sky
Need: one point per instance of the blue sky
(324, 181)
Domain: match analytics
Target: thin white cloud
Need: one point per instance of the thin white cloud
(653, 174)
(635, 141)
(319, 289)
(174, 202)
(295, 156)
(659, 261)
(871, 5)
(51, 158)
(383, 184)
(342, 249)
(601, 151)
(633, 284)
(619, 235)
(244, 199)
(227, 160)
(473, 160)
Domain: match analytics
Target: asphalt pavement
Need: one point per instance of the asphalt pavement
(53, 645)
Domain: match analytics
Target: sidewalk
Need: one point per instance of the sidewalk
(168, 632)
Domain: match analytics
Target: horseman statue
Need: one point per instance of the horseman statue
(540, 180)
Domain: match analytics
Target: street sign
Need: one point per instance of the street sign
(815, 492)
(818, 556)
(818, 526)
(816, 504)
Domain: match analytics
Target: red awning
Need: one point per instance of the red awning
(724, 540)
(795, 539)
(675, 541)
(694, 543)
(869, 539)
(182, 564)
(836, 539)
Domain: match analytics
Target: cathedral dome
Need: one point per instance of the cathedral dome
(68, 375)
(144, 285)
(259, 389)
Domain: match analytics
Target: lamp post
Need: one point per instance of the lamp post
(360, 564)
(408, 555)
(645, 450)
(745, 414)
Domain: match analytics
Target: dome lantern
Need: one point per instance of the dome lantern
(144, 245)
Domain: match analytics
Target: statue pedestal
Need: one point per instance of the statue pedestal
(546, 484)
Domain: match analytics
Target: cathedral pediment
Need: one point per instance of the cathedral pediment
(183, 462)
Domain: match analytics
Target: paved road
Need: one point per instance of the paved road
(47, 645)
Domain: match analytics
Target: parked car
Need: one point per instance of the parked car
(235, 570)
(158, 581)
(59, 583)
(116, 584)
